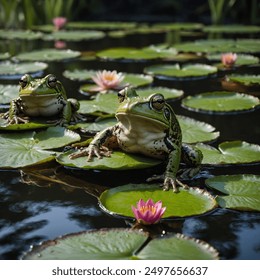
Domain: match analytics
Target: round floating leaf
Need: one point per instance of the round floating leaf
(96, 126)
(177, 247)
(179, 26)
(48, 55)
(168, 93)
(194, 131)
(137, 54)
(28, 148)
(247, 80)
(110, 244)
(79, 74)
(194, 201)
(233, 152)
(117, 161)
(178, 72)
(8, 93)
(5, 55)
(14, 70)
(4, 125)
(104, 25)
(20, 34)
(75, 35)
(242, 192)
(220, 102)
(232, 29)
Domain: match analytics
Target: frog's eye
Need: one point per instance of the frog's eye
(157, 102)
(52, 81)
(24, 81)
(121, 95)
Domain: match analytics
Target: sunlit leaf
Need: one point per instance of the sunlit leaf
(20, 34)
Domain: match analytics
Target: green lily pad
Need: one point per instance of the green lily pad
(136, 54)
(48, 55)
(227, 28)
(177, 247)
(242, 59)
(105, 244)
(74, 35)
(104, 25)
(121, 244)
(220, 102)
(241, 192)
(117, 161)
(4, 125)
(220, 46)
(8, 93)
(181, 72)
(194, 131)
(4, 55)
(30, 148)
(13, 70)
(179, 26)
(194, 201)
(247, 80)
(19, 34)
(96, 126)
(233, 152)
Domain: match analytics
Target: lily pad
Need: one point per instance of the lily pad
(110, 244)
(179, 26)
(247, 80)
(30, 148)
(242, 59)
(177, 247)
(181, 72)
(48, 55)
(241, 192)
(19, 34)
(74, 35)
(233, 152)
(4, 125)
(194, 131)
(117, 161)
(9, 70)
(104, 25)
(194, 201)
(8, 93)
(228, 28)
(121, 244)
(136, 54)
(220, 102)
(4, 55)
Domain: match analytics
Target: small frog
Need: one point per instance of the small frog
(147, 126)
(44, 97)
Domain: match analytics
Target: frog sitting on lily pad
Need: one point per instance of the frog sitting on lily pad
(43, 97)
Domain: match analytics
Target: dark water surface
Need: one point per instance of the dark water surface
(59, 201)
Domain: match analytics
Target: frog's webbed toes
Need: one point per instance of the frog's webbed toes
(17, 120)
(91, 151)
(170, 183)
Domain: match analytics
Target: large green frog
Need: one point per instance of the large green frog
(147, 126)
(45, 97)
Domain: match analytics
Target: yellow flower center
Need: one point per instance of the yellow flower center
(146, 208)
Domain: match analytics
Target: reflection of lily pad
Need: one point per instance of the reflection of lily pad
(118, 201)
(75, 35)
(13, 70)
(124, 244)
(30, 148)
(233, 152)
(220, 101)
(178, 72)
(117, 161)
(8, 93)
(194, 131)
(20, 34)
(48, 55)
(137, 54)
(241, 192)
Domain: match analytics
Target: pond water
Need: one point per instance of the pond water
(46, 202)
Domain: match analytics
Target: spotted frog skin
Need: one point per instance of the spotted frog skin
(146, 126)
(45, 97)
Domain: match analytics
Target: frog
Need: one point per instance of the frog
(147, 126)
(42, 97)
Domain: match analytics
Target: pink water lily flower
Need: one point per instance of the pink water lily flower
(106, 80)
(59, 22)
(148, 212)
(228, 59)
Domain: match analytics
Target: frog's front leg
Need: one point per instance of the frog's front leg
(96, 146)
(13, 114)
(75, 105)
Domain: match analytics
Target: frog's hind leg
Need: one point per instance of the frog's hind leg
(192, 158)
